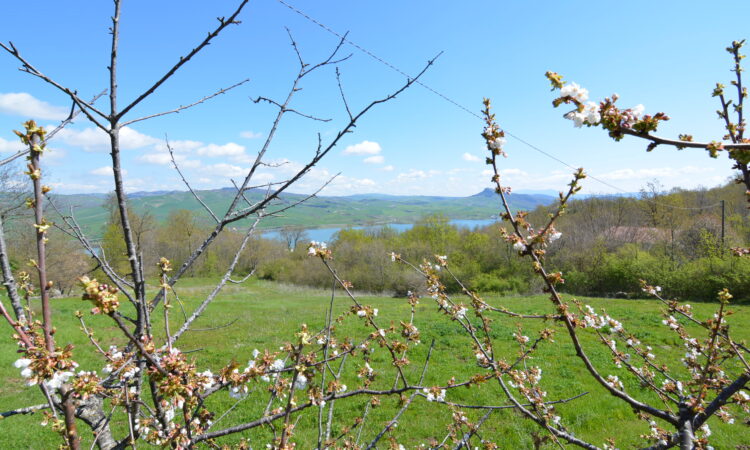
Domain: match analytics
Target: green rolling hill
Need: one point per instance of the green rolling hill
(363, 209)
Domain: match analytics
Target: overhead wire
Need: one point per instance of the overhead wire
(367, 52)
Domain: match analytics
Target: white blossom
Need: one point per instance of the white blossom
(614, 381)
(497, 143)
(301, 382)
(591, 113)
(238, 392)
(58, 379)
(22, 363)
(575, 91)
(431, 397)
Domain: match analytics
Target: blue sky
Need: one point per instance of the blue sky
(664, 55)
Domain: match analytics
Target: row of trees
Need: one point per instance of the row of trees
(608, 245)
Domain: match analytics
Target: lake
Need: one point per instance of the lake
(326, 234)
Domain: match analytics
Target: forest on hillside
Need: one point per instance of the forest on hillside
(609, 243)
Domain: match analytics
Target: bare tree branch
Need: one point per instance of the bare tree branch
(182, 108)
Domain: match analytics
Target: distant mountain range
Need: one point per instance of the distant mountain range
(360, 209)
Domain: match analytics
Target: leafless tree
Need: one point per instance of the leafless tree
(166, 397)
(152, 383)
(293, 236)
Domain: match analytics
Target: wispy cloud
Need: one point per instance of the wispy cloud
(94, 139)
(377, 159)
(228, 149)
(26, 105)
(469, 157)
(10, 146)
(250, 134)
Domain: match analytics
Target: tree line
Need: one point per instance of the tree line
(608, 244)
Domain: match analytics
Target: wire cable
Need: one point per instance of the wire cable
(472, 113)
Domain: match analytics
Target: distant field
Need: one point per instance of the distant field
(268, 314)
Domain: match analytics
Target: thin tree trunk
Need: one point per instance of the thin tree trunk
(8, 281)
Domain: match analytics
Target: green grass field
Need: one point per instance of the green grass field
(268, 314)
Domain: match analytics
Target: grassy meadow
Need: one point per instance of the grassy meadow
(268, 314)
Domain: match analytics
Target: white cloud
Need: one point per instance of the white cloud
(189, 163)
(23, 104)
(411, 175)
(377, 159)
(224, 170)
(94, 139)
(162, 158)
(250, 134)
(180, 145)
(156, 158)
(363, 148)
(103, 171)
(388, 168)
(659, 172)
(228, 149)
(469, 157)
(76, 187)
(54, 155)
(511, 172)
(10, 146)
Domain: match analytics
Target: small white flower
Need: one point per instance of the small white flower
(614, 381)
(577, 118)
(58, 379)
(519, 246)
(238, 392)
(575, 91)
(637, 111)
(555, 236)
(301, 382)
(497, 144)
(22, 363)
(431, 397)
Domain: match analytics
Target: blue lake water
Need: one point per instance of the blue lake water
(326, 234)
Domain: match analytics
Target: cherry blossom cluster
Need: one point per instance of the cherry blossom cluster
(319, 249)
(605, 113)
(103, 296)
(52, 369)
